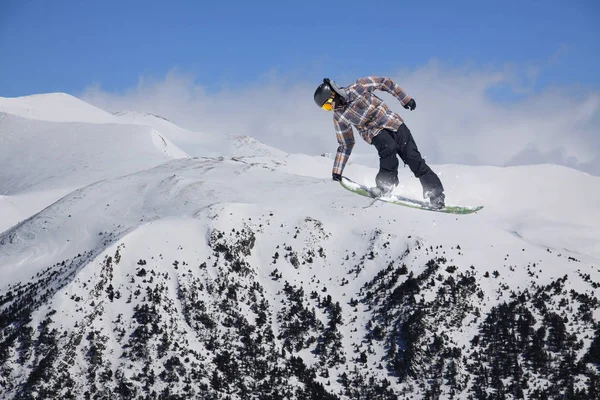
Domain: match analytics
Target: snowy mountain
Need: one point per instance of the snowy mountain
(56, 107)
(162, 124)
(45, 155)
(253, 275)
(52, 144)
(198, 143)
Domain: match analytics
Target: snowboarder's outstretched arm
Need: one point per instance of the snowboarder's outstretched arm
(345, 138)
(386, 85)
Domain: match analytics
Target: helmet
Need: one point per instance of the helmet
(323, 92)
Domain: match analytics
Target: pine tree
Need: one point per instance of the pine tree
(593, 354)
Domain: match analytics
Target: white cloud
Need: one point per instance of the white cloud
(456, 120)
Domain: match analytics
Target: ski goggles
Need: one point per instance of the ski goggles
(328, 105)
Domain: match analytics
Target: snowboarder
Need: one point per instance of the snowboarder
(357, 105)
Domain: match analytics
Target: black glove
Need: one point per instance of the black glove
(412, 104)
(336, 177)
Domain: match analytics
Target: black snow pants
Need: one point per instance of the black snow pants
(390, 144)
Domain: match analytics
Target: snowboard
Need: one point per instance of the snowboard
(405, 201)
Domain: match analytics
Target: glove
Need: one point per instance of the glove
(412, 104)
(336, 177)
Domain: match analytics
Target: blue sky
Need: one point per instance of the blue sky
(50, 46)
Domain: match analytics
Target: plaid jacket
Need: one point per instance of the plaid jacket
(366, 112)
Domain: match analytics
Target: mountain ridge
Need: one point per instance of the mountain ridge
(228, 267)
(55, 107)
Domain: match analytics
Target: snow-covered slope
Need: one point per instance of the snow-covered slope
(174, 132)
(54, 143)
(205, 277)
(38, 155)
(42, 160)
(57, 107)
(16, 208)
(199, 144)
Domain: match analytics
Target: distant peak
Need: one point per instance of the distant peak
(57, 106)
(50, 94)
(138, 113)
(44, 96)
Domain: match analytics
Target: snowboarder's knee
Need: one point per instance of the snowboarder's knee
(385, 144)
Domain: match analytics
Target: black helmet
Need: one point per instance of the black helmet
(323, 92)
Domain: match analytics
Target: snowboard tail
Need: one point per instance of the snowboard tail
(405, 201)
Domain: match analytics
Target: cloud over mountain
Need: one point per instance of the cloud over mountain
(465, 115)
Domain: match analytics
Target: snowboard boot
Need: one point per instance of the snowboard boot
(385, 184)
(433, 190)
(437, 201)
